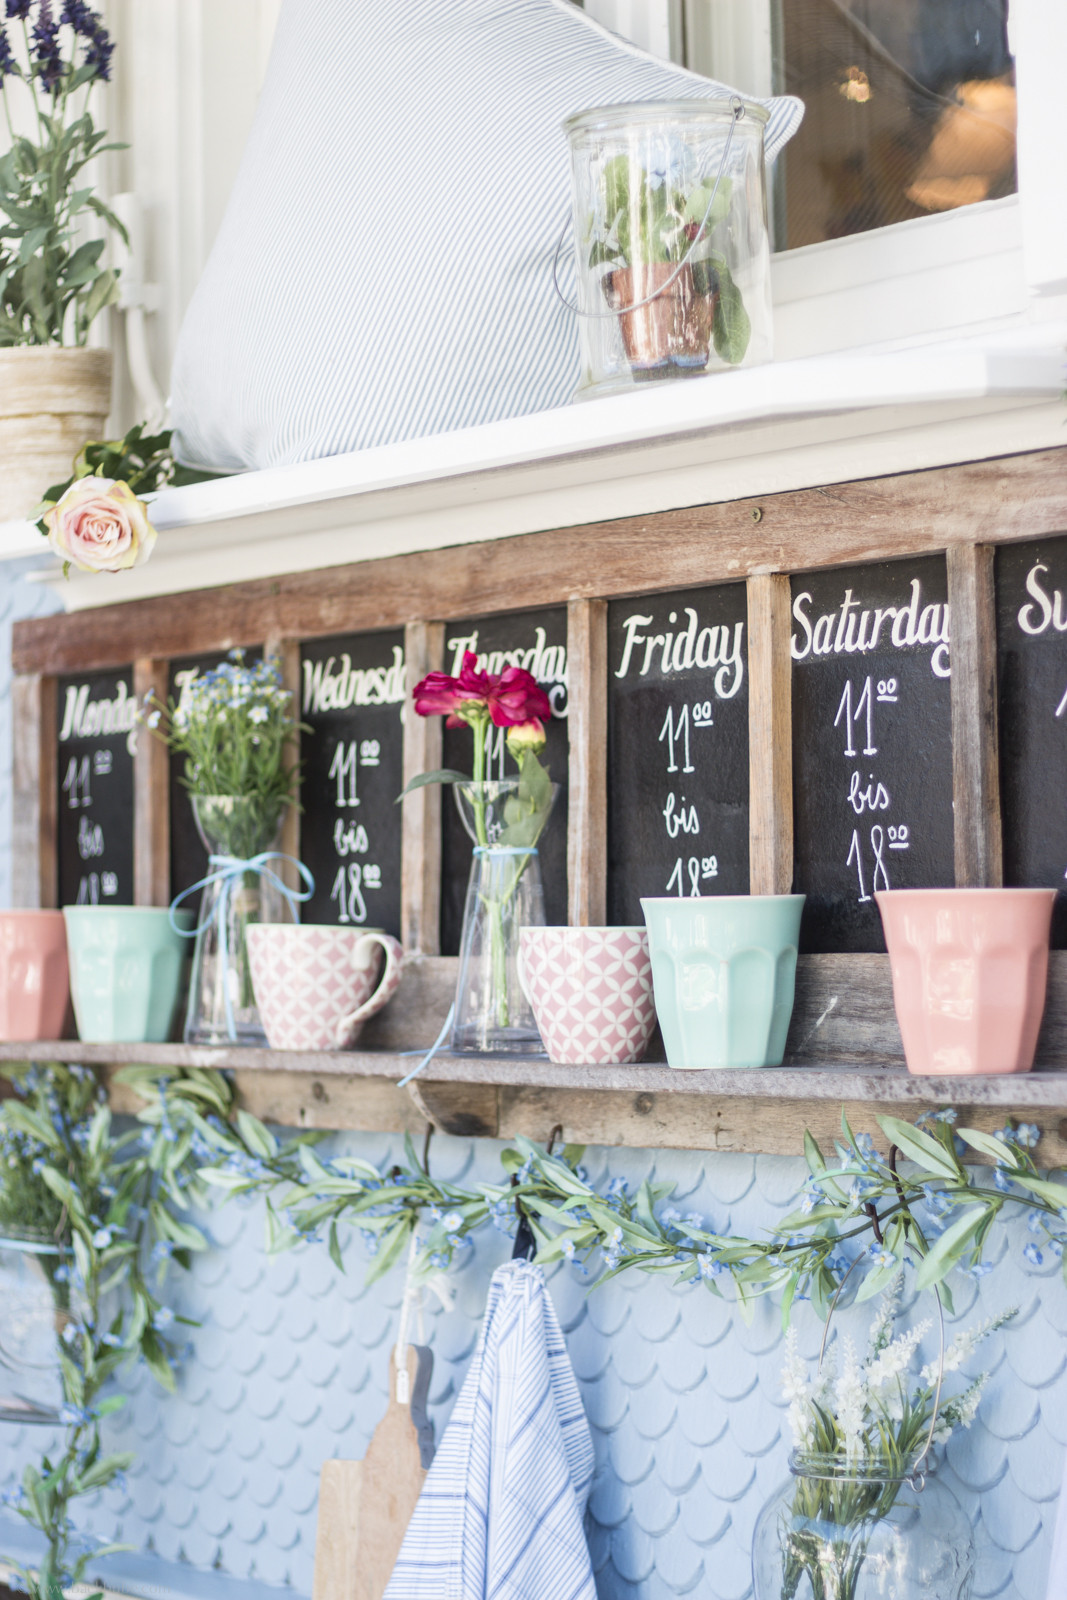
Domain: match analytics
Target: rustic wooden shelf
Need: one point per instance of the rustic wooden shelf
(644, 1105)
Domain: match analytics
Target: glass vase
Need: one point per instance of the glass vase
(873, 1529)
(504, 894)
(235, 830)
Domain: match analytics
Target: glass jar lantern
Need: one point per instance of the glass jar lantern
(672, 254)
(873, 1529)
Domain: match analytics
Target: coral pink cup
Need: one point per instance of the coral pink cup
(34, 979)
(969, 973)
(316, 986)
(591, 992)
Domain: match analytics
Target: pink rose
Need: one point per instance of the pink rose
(100, 525)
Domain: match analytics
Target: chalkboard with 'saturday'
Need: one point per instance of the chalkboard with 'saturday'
(677, 747)
(97, 733)
(1031, 582)
(352, 691)
(872, 744)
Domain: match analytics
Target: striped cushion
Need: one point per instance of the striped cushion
(383, 269)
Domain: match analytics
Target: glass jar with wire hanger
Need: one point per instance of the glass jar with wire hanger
(671, 250)
(863, 1515)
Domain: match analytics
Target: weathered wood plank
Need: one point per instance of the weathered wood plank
(151, 789)
(34, 857)
(287, 653)
(770, 736)
(1005, 499)
(587, 725)
(975, 759)
(420, 876)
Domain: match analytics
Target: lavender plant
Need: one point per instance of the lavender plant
(52, 281)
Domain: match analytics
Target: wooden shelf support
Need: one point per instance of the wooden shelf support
(151, 784)
(975, 759)
(420, 876)
(587, 723)
(34, 859)
(287, 653)
(770, 722)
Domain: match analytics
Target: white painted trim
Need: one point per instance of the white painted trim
(761, 431)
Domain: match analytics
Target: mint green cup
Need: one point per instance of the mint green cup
(126, 969)
(723, 973)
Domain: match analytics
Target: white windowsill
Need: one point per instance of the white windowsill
(789, 425)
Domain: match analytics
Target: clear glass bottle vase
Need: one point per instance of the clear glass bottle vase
(504, 894)
(234, 829)
(875, 1528)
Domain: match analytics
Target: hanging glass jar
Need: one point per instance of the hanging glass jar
(36, 1294)
(876, 1528)
(241, 836)
(504, 894)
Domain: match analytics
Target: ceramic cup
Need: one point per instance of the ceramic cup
(591, 992)
(126, 970)
(724, 967)
(316, 986)
(969, 972)
(34, 983)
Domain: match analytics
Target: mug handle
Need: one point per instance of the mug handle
(387, 983)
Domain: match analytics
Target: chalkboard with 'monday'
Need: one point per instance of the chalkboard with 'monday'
(872, 744)
(1031, 583)
(677, 747)
(97, 735)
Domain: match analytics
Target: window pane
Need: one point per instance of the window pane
(910, 110)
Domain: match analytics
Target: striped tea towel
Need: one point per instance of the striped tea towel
(500, 1514)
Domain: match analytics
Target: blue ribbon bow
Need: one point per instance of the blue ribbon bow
(227, 871)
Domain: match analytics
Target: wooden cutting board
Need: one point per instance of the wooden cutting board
(365, 1506)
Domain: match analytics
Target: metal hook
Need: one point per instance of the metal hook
(557, 1133)
(426, 1150)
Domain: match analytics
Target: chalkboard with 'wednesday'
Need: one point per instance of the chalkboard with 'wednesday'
(872, 743)
(352, 697)
(97, 737)
(1031, 582)
(677, 747)
(537, 641)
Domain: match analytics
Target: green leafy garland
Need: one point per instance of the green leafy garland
(116, 1202)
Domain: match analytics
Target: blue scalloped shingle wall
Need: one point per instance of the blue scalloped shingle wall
(683, 1397)
(18, 599)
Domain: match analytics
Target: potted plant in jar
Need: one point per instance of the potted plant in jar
(671, 288)
(235, 728)
(54, 392)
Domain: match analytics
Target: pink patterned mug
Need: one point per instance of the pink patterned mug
(315, 986)
(591, 992)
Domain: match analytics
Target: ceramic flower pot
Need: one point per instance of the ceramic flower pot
(969, 973)
(34, 982)
(52, 402)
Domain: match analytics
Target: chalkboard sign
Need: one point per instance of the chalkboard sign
(352, 696)
(97, 736)
(188, 858)
(872, 743)
(677, 747)
(1031, 581)
(536, 640)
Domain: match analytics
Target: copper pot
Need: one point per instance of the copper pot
(672, 333)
